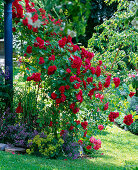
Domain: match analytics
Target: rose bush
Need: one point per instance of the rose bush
(65, 78)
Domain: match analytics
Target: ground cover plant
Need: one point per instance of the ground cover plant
(63, 102)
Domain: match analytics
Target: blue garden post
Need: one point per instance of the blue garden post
(8, 40)
(8, 48)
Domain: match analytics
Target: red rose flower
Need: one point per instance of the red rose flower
(106, 106)
(98, 71)
(100, 127)
(41, 60)
(51, 70)
(85, 133)
(52, 58)
(89, 80)
(71, 127)
(51, 123)
(53, 95)
(62, 132)
(128, 120)
(80, 141)
(62, 89)
(113, 115)
(89, 147)
(29, 49)
(36, 77)
(131, 94)
(116, 81)
(77, 121)
(72, 106)
(92, 70)
(76, 110)
(68, 70)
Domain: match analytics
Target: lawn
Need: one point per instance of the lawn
(119, 148)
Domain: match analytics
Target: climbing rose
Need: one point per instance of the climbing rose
(116, 81)
(128, 120)
(51, 70)
(100, 127)
(131, 94)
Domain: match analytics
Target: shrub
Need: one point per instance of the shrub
(47, 146)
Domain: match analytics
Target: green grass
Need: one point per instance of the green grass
(119, 148)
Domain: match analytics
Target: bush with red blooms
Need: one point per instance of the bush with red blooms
(128, 120)
(63, 75)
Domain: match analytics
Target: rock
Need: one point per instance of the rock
(3, 146)
(15, 150)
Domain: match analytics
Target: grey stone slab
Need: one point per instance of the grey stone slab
(15, 150)
(3, 146)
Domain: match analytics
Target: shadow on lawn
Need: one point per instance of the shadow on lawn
(28, 162)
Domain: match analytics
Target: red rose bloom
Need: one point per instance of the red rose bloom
(76, 110)
(58, 101)
(71, 127)
(29, 49)
(41, 60)
(85, 133)
(77, 121)
(62, 89)
(68, 70)
(62, 132)
(36, 77)
(106, 106)
(52, 58)
(131, 94)
(89, 147)
(113, 115)
(80, 141)
(128, 120)
(100, 127)
(51, 70)
(72, 106)
(116, 81)
(53, 95)
(92, 70)
(98, 71)
(89, 80)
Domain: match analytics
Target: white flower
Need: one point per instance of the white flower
(71, 33)
(37, 24)
(28, 15)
